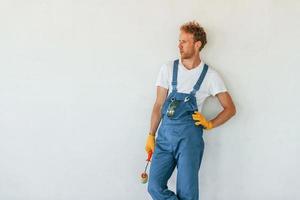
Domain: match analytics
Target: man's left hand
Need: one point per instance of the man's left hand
(200, 120)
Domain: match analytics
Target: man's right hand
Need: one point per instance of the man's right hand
(150, 143)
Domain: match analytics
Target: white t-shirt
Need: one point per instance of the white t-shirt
(186, 79)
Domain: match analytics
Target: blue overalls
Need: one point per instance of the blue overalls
(179, 142)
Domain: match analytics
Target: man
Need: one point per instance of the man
(182, 87)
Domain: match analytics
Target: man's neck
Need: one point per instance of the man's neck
(191, 63)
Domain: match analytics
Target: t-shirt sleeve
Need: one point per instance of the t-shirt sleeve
(217, 84)
(162, 78)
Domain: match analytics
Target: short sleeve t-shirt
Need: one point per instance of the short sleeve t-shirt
(186, 79)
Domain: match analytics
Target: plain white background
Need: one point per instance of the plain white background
(77, 85)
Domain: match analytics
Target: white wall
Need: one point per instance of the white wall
(77, 88)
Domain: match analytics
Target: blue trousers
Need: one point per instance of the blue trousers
(181, 145)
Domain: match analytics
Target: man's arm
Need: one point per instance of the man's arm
(229, 109)
(161, 95)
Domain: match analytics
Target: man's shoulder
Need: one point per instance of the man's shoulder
(211, 70)
(168, 65)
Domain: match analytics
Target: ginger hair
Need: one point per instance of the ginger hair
(197, 30)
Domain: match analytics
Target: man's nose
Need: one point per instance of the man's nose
(180, 46)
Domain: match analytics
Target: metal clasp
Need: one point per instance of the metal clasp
(186, 99)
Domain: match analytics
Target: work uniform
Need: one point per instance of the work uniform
(179, 142)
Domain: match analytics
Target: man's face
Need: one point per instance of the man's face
(187, 46)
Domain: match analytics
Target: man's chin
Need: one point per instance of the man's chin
(183, 57)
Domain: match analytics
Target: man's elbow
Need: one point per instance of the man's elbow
(233, 110)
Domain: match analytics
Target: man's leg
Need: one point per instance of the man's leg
(188, 165)
(161, 169)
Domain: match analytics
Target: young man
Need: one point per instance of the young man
(182, 87)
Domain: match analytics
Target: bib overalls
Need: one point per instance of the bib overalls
(179, 142)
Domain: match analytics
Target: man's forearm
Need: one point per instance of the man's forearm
(223, 116)
(155, 118)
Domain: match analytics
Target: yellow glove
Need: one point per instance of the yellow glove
(200, 120)
(150, 143)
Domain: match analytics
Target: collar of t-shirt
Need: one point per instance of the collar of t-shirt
(200, 66)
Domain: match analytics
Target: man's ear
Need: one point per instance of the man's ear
(198, 44)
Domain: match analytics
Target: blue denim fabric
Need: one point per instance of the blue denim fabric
(179, 143)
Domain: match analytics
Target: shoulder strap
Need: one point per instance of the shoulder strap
(200, 80)
(174, 78)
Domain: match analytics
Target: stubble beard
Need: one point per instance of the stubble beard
(186, 56)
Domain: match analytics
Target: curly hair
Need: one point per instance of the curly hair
(198, 32)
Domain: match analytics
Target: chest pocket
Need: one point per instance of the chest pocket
(178, 105)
